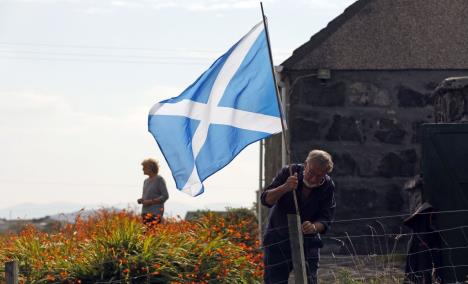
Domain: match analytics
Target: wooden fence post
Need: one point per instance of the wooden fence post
(11, 272)
(297, 249)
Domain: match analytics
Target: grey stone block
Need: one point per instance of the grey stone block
(304, 129)
(312, 93)
(362, 198)
(344, 165)
(390, 165)
(367, 94)
(344, 129)
(394, 200)
(394, 165)
(411, 98)
(409, 156)
(389, 132)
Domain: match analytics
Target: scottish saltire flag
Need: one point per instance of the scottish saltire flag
(231, 105)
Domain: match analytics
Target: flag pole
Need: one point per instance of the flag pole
(294, 221)
(283, 126)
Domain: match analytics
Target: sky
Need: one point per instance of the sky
(78, 77)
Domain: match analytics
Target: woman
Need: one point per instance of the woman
(154, 193)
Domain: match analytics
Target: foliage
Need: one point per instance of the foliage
(111, 246)
(239, 223)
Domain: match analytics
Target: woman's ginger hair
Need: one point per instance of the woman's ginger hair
(152, 164)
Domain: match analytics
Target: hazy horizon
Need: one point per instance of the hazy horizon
(30, 210)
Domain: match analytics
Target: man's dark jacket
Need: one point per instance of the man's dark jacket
(319, 206)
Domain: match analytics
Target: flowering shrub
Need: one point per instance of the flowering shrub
(116, 246)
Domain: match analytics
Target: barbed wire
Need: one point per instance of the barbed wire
(400, 234)
(390, 235)
(375, 218)
(400, 215)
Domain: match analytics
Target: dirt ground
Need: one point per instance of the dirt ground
(385, 269)
(362, 269)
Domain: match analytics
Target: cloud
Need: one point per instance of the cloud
(35, 114)
(217, 5)
(95, 7)
(327, 4)
(30, 102)
(57, 112)
(96, 11)
(202, 5)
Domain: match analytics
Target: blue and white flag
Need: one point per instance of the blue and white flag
(230, 106)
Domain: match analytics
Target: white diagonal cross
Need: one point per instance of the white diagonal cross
(211, 113)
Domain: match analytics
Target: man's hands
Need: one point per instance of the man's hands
(309, 228)
(273, 195)
(291, 183)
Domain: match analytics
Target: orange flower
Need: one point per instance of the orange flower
(64, 274)
(123, 261)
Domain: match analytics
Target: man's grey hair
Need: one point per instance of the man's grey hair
(321, 158)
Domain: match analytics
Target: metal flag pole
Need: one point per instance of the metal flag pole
(294, 221)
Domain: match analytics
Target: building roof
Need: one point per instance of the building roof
(390, 35)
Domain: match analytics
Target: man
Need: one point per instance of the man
(316, 201)
(154, 193)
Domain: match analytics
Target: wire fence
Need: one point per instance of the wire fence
(383, 261)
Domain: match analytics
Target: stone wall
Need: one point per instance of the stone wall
(368, 121)
(451, 100)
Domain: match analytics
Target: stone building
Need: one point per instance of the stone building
(360, 89)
